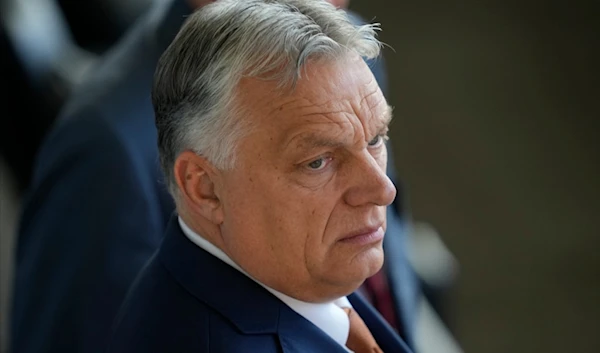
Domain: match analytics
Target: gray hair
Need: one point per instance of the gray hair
(196, 78)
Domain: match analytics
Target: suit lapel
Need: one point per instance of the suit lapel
(298, 335)
(246, 304)
(257, 311)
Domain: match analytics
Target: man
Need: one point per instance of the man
(98, 207)
(271, 132)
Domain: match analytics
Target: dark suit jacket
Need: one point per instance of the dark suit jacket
(97, 207)
(187, 300)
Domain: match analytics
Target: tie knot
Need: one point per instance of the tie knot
(360, 339)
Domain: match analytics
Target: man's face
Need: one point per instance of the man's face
(304, 208)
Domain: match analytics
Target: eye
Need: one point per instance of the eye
(377, 141)
(319, 164)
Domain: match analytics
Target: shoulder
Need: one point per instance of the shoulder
(159, 315)
(75, 145)
(86, 174)
(86, 181)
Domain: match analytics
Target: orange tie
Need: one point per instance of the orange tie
(360, 339)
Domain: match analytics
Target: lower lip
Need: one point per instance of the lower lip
(365, 239)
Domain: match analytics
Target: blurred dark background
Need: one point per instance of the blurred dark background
(495, 135)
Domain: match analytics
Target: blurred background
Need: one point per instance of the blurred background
(495, 136)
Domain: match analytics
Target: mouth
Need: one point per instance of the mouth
(364, 236)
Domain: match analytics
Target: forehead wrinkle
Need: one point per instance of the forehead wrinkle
(341, 119)
(371, 118)
(313, 136)
(337, 112)
(301, 104)
(326, 114)
(367, 96)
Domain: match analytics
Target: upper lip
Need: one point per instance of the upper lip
(362, 231)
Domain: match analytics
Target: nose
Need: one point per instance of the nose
(369, 183)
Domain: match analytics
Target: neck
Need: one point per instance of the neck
(307, 291)
(205, 228)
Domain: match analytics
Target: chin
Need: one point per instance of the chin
(371, 260)
(363, 266)
(346, 276)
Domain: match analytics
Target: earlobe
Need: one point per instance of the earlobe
(194, 175)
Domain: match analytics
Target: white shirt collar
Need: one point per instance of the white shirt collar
(329, 317)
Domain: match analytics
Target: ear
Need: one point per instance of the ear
(195, 177)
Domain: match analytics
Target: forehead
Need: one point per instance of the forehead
(341, 96)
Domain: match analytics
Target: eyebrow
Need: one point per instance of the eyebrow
(314, 140)
(311, 141)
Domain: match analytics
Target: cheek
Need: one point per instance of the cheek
(245, 203)
(382, 158)
(322, 225)
(293, 220)
(303, 222)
